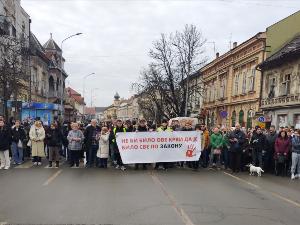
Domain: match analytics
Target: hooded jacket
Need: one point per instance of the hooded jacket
(216, 140)
(103, 150)
(259, 142)
(17, 135)
(271, 141)
(4, 138)
(296, 145)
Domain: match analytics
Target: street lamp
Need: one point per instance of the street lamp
(83, 91)
(92, 100)
(61, 69)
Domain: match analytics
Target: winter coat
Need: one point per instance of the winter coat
(225, 141)
(216, 140)
(37, 146)
(4, 138)
(113, 133)
(296, 145)
(26, 127)
(281, 146)
(271, 141)
(206, 138)
(142, 129)
(75, 145)
(54, 137)
(246, 146)
(202, 138)
(17, 135)
(88, 134)
(129, 129)
(103, 150)
(259, 142)
(241, 139)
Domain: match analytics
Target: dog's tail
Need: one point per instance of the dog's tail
(262, 171)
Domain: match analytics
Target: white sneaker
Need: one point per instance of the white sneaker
(123, 168)
(115, 162)
(39, 163)
(296, 176)
(35, 163)
(6, 168)
(293, 177)
(14, 163)
(19, 163)
(117, 167)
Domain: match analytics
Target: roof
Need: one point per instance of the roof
(37, 43)
(73, 92)
(291, 48)
(100, 109)
(50, 44)
(75, 95)
(88, 110)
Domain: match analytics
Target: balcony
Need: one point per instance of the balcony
(4, 25)
(291, 100)
(54, 94)
(28, 47)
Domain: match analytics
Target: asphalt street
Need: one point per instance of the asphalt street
(41, 195)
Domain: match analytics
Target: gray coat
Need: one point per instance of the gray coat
(75, 145)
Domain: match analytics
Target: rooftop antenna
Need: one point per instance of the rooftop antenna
(230, 38)
(214, 48)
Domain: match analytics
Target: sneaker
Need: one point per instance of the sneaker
(219, 168)
(14, 163)
(293, 177)
(115, 162)
(296, 176)
(155, 168)
(19, 163)
(210, 168)
(117, 167)
(6, 167)
(39, 163)
(35, 163)
(123, 168)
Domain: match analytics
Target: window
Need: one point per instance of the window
(236, 85)
(244, 82)
(205, 94)
(272, 87)
(233, 118)
(13, 31)
(297, 121)
(251, 80)
(215, 91)
(282, 121)
(285, 87)
(34, 76)
(241, 118)
(209, 94)
(223, 86)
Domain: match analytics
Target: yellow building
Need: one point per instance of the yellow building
(111, 110)
(232, 84)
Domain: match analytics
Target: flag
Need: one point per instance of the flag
(69, 93)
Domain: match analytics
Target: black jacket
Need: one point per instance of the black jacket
(88, 134)
(259, 142)
(142, 129)
(4, 139)
(271, 141)
(112, 134)
(54, 137)
(241, 137)
(17, 135)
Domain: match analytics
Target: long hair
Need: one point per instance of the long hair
(279, 135)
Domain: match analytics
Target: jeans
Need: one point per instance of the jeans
(92, 154)
(227, 158)
(4, 156)
(112, 153)
(218, 156)
(75, 157)
(204, 157)
(295, 163)
(103, 161)
(18, 152)
(256, 156)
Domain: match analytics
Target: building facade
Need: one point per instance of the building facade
(232, 84)
(111, 111)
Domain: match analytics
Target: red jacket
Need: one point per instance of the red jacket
(281, 146)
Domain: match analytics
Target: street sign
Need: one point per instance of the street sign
(224, 114)
(261, 119)
(262, 125)
(251, 113)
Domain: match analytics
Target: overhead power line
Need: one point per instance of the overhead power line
(252, 3)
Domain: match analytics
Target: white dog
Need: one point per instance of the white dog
(254, 169)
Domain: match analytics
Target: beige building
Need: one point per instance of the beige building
(232, 84)
(111, 110)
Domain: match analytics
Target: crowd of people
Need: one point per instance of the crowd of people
(234, 148)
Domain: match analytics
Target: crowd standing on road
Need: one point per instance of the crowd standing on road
(235, 148)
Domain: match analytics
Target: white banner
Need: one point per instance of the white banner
(150, 147)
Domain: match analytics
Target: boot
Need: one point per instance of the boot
(57, 163)
(50, 163)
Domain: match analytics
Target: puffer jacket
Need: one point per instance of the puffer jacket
(103, 150)
(54, 137)
(259, 142)
(75, 145)
(216, 140)
(296, 145)
(4, 138)
(17, 135)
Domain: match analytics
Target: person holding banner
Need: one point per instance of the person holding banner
(141, 128)
(196, 163)
(164, 127)
(216, 141)
(119, 128)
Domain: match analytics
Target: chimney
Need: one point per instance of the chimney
(217, 55)
(234, 44)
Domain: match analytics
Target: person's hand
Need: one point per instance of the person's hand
(218, 147)
(235, 139)
(284, 153)
(264, 152)
(116, 135)
(228, 147)
(136, 131)
(244, 151)
(202, 150)
(150, 131)
(277, 153)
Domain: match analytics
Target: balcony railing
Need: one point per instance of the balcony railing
(4, 25)
(54, 94)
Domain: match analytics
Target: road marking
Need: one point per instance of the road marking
(25, 165)
(179, 210)
(3, 223)
(52, 178)
(54, 165)
(264, 189)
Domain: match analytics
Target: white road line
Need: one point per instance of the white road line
(179, 210)
(264, 189)
(25, 165)
(52, 178)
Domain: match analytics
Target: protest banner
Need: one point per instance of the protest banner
(150, 147)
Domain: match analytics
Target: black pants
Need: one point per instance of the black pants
(118, 158)
(243, 161)
(37, 159)
(165, 165)
(280, 168)
(137, 165)
(195, 164)
(236, 160)
(75, 157)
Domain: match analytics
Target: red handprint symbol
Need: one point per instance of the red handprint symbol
(189, 152)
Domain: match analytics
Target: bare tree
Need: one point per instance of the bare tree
(163, 86)
(14, 68)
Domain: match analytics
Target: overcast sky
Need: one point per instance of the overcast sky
(117, 35)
